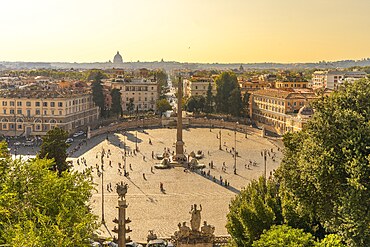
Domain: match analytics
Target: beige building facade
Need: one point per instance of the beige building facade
(34, 112)
(278, 109)
(198, 86)
(143, 91)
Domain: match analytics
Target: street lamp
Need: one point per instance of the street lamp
(136, 141)
(265, 160)
(220, 147)
(102, 153)
(235, 153)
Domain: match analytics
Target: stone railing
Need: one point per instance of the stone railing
(167, 122)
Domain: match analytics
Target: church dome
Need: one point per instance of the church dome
(117, 58)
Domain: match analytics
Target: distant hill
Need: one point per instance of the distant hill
(169, 65)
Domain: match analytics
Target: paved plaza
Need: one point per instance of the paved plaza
(151, 209)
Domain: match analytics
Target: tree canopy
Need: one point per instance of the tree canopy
(326, 166)
(116, 102)
(254, 210)
(40, 208)
(195, 103)
(228, 97)
(284, 236)
(54, 146)
(163, 105)
(97, 92)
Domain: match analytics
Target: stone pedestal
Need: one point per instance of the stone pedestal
(121, 222)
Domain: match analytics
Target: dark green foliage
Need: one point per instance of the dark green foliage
(130, 105)
(254, 210)
(284, 236)
(208, 108)
(326, 167)
(235, 103)
(116, 102)
(246, 103)
(54, 146)
(40, 208)
(97, 93)
(195, 104)
(228, 98)
(163, 105)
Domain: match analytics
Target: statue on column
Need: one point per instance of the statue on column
(195, 217)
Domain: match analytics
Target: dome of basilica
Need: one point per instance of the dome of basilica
(117, 58)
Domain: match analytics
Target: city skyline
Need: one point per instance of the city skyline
(205, 31)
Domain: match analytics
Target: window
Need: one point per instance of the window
(4, 126)
(52, 112)
(28, 113)
(45, 112)
(11, 103)
(294, 103)
(37, 103)
(19, 111)
(19, 103)
(5, 103)
(37, 112)
(11, 111)
(28, 103)
(38, 127)
(60, 104)
(45, 104)
(60, 112)
(52, 104)
(19, 126)
(4, 111)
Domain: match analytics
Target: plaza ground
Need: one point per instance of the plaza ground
(149, 208)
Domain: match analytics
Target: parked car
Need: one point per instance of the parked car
(159, 243)
(78, 133)
(69, 140)
(17, 143)
(133, 244)
(28, 144)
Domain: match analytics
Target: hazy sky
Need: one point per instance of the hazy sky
(184, 30)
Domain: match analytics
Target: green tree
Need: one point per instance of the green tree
(225, 96)
(331, 240)
(97, 93)
(4, 153)
(235, 103)
(130, 105)
(40, 208)
(284, 236)
(195, 103)
(54, 146)
(254, 210)
(208, 108)
(116, 102)
(163, 105)
(246, 103)
(326, 166)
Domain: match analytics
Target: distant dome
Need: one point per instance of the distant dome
(117, 58)
(305, 112)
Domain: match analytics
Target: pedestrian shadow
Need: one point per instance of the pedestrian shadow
(152, 200)
(218, 181)
(131, 137)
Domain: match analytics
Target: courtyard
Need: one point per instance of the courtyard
(152, 209)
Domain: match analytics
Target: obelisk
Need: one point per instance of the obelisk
(179, 143)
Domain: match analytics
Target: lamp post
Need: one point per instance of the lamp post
(265, 161)
(102, 153)
(220, 147)
(235, 153)
(136, 141)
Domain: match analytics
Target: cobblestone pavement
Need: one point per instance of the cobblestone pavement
(149, 208)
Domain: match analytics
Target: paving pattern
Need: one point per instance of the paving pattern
(149, 208)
